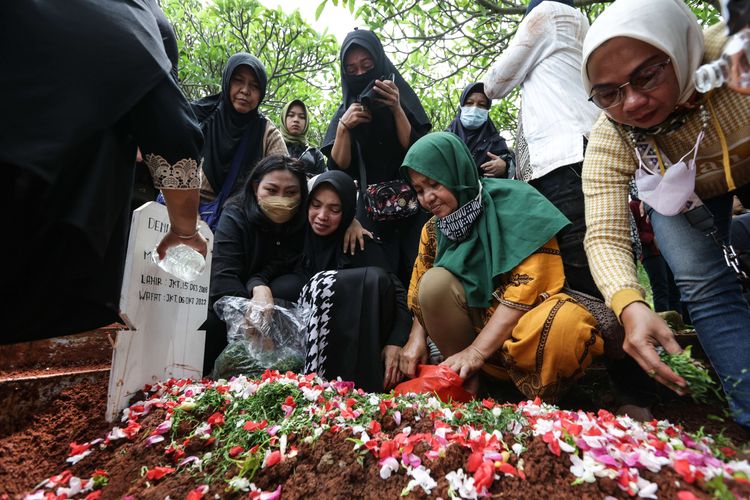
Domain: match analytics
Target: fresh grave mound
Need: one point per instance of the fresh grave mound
(38, 444)
(298, 436)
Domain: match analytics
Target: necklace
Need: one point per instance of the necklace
(672, 124)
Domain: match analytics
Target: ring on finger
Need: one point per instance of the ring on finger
(652, 373)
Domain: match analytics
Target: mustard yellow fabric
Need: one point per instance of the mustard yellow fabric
(555, 340)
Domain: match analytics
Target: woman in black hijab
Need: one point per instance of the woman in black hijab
(382, 129)
(359, 317)
(90, 83)
(475, 128)
(230, 117)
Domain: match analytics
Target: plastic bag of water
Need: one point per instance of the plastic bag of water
(181, 261)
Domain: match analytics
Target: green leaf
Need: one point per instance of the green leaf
(320, 8)
(699, 381)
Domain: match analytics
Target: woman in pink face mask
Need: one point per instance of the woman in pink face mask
(639, 58)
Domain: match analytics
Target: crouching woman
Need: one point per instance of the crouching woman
(486, 285)
(358, 313)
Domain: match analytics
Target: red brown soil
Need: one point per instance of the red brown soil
(325, 469)
(694, 416)
(40, 357)
(38, 449)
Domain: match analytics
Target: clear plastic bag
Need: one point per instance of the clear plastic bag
(260, 337)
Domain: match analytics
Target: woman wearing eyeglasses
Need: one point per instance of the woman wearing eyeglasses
(685, 150)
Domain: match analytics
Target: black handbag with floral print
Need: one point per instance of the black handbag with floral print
(388, 200)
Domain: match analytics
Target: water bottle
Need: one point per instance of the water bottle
(732, 67)
(182, 262)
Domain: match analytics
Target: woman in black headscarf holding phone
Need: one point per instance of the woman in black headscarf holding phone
(379, 119)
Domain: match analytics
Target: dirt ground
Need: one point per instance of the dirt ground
(327, 469)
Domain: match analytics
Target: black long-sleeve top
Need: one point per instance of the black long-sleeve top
(248, 253)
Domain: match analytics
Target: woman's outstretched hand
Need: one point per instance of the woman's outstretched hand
(354, 234)
(262, 300)
(391, 355)
(182, 206)
(414, 353)
(644, 331)
(466, 363)
(197, 243)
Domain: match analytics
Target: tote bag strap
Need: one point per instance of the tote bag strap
(234, 170)
(362, 168)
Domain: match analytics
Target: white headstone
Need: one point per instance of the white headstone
(162, 313)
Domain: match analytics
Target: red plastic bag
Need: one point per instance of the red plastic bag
(437, 379)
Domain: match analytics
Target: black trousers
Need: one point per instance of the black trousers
(563, 188)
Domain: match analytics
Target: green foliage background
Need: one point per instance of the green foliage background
(439, 46)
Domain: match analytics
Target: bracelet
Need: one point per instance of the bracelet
(341, 121)
(183, 237)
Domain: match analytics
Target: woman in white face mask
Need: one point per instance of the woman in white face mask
(684, 149)
(473, 125)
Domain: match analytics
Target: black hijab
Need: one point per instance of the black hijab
(381, 131)
(534, 3)
(473, 138)
(736, 13)
(323, 253)
(168, 38)
(61, 89)
(223, 127)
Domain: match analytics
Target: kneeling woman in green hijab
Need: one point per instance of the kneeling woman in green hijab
(488, 279)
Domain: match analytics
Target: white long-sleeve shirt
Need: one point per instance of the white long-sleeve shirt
(544, 58)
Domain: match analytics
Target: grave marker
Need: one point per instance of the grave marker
(163, 314)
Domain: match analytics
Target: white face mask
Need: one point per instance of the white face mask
(674, 192)
(473, 117)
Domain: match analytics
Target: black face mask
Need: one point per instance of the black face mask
(357, 83)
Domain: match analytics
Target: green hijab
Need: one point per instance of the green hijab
(300, 139)
(516, 220)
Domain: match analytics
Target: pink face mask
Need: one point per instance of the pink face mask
(672, 193)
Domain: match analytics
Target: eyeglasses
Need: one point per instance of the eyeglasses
(645, 80)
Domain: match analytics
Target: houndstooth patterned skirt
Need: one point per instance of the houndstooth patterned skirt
(317, 296)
